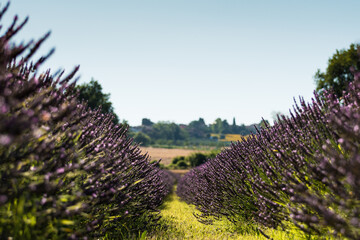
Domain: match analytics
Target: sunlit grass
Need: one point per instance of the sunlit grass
(178, 222)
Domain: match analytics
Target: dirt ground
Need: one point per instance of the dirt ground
(165, 154)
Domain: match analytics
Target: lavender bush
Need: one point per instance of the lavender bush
(249, 179)
(66, 171)
(121, 184)
(335, 209)
(303, 169)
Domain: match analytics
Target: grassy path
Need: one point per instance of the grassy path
(178, 222)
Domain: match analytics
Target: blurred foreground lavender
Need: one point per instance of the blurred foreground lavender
(66, 171)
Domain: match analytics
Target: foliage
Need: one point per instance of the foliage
(142, 139)
(338, 73)
(146, 122)
(303, 169)
(165, 131)
(66, 171)
(196, 133)
(196, 159)
(182, 164)
(178, 159)
(220, 126)
(92, 94)
(193, 160)
(198, 129)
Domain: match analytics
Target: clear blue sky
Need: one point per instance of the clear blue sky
(180, 60)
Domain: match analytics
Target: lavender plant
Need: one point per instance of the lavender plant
(336, 209)
(303, 169)
(249, 179)
(121, 183)
(66, 171)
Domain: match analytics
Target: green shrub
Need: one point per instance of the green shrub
(142, 139)
(177, 159)
(182, 164)
(196, 159)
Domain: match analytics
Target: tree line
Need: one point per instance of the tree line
(161, 133)
(197, 132)
(339, 72)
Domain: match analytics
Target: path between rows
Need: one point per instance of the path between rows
(182, 224)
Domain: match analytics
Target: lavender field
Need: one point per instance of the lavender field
(69, 172)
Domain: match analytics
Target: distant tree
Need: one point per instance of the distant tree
(177, 159)
(220, 126)
(182, 164)
(226, 127)
(251, 129)
(216, 126)
(243, 130)
(196, 159)
(146, 122)
(338, 72)
(166, 131)
(197, 129)
(142, 139)
(95, 98)
(234, 128)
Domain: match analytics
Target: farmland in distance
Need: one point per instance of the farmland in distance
(166, 154)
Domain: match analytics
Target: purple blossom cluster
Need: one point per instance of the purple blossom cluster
(66, 171)
(334, 208)
(303, 169)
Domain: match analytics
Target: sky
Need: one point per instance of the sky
(181, 60)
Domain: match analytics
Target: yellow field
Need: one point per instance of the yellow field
(229, 137)
(165, 154)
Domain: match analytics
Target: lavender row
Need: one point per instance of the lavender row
(66, 171)
(304, 169)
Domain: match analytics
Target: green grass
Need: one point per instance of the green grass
(178, 222)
